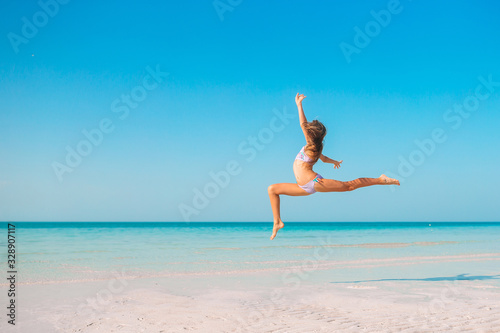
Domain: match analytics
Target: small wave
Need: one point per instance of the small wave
(121, 258)
(374, 245)
(222, 248)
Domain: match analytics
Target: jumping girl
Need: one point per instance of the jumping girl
(308, 181)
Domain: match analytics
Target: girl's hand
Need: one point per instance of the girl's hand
(336, 164)
(299, 98)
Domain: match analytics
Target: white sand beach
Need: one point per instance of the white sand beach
(257, 302)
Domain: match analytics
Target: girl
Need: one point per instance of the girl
(308, 181)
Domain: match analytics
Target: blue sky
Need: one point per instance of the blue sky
(226, 81)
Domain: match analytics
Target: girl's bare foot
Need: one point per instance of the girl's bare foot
(277, 226)
(388, 181)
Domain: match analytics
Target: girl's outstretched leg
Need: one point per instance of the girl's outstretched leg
(331, 185)
(274, 195)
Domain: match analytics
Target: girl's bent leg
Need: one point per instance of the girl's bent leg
(274, 195)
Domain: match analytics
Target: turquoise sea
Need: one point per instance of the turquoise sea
(336, 252)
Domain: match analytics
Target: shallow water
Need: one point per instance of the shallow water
(336, 252)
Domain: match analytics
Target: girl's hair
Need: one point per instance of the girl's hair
(316, 132)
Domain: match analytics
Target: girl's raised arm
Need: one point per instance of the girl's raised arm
(298, 101)
(302, 116)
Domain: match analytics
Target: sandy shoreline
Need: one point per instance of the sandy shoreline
(244, 304)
